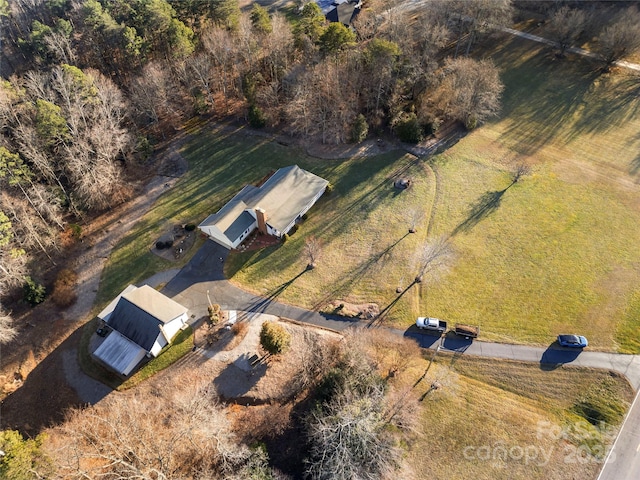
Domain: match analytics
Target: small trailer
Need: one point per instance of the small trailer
(467, 331)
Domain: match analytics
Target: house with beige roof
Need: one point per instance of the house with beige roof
(273, 208)
(142, 321)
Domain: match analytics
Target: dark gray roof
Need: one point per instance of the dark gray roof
(344, 13)
(135, 323)
(239, 225)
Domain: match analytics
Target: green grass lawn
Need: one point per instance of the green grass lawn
(493, 420)
(556, 252)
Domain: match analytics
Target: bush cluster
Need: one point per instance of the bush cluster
(408, 128)
(239, 328)
(64, 293)
(160, 244)
(274, 338)
(34, 293)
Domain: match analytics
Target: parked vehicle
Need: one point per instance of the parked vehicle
(573, 341)
(467, 331)
(433, 324)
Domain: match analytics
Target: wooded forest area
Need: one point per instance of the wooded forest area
(89, 87)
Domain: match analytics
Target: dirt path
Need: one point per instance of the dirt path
(111, 227)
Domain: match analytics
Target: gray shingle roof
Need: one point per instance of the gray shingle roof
(140, 312)
(283, 196)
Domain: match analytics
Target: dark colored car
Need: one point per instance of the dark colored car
(574, 341)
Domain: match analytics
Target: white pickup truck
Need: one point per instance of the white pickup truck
(434, 324)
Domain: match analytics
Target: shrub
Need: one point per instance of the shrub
(329, 188)
(274, 338)
(471, 123)
(433, 126)
(408, 128)
(257, 118)
(34, 293)
(168, 244)
(285, 237)
(239, 328)
(76, 230)
(214, 313)
(159, 245)
(144, 147)
(293, 230)
(189, 227)
(64, 294)
(360, 129)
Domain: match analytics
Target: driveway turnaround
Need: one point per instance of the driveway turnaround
(202, 279)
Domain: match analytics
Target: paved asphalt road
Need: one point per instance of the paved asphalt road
(623, 462)
(204, 274)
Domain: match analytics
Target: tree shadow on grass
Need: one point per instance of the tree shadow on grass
(263, 303)
(347, 284)
(614, 102)
(377, 320)
(484, 206)
(634, 167)
(542, 97)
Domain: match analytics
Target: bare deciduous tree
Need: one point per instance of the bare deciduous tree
(348, 439)
(347, 434)
(619, 39)
(7, 330)
(200, 66)
(151, 91)
(144, 437)
(312, 250)
(468, 90)
(520, 170)
(565, 26)
(434, 258)
(414, 216)
(319, 108)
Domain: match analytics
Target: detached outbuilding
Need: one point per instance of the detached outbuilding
(273, 208)
(143, 321)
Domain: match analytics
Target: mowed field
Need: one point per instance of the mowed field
(498, 420)
(554, 253)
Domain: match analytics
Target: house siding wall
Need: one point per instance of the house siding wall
(217, 236)
(170, 329)
(160, 343)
